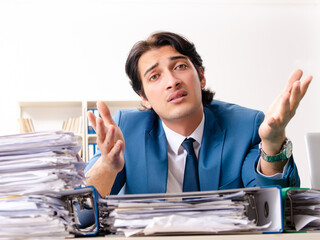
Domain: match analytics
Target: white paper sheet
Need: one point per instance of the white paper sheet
(191, 213)
(34, 169)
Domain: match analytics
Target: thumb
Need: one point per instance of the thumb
(117, 155)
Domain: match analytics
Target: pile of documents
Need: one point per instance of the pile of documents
(302, 210)
(34, 217)
(185, 213)
(34, 169)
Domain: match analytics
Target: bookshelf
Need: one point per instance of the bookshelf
(50, 115)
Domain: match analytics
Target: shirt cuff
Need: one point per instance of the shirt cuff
(275, 176)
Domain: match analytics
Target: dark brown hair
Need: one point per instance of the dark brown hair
(157, 40)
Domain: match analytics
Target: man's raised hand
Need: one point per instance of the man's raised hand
(111, 144)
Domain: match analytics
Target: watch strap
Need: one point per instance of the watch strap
(285, 152)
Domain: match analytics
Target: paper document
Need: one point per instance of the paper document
(34, 169)
(187, 213)
(303, 210)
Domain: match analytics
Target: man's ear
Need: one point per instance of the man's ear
(145, 102)
(202, 78)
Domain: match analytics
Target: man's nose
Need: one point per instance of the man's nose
(172, 81)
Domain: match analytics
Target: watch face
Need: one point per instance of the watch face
(289, 149)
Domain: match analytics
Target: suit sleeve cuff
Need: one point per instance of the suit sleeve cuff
(290, 176)
(275, 176)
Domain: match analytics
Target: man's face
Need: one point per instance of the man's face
(171, 85)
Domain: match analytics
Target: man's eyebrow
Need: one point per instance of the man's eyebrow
(150, 68)
(178, 57)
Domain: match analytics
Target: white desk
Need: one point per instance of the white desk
(281, 236)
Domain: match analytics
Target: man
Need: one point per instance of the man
(144, 150)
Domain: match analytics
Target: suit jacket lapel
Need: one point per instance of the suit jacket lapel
(210, 155)
(156, 156)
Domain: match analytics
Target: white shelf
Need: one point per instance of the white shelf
(49, 115)
(54, 104)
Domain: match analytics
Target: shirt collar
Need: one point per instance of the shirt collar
(174, 140)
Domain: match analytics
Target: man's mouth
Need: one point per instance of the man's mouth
(177, 96)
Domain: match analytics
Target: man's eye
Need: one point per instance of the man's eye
(182, 66)
(154, 77)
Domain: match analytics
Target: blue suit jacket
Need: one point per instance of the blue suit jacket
(227, 159)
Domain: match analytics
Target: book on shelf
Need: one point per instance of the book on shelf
(73, 124)
(26, 125)
(92, 150)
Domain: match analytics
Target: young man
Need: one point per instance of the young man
(234, 146)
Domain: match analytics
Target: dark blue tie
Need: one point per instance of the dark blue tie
(191, 175)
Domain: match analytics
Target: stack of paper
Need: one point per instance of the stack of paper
(303, 210)
(34, 217)
(34, 169)
(191, 213)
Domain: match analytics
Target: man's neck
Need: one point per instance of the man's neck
(185, 126)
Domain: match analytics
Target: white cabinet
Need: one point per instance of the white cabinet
(50, 115)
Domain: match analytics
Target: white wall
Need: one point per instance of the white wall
(76, 50)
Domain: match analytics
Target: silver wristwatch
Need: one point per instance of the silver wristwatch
(285, 152)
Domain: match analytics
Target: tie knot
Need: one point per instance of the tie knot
(188, 145)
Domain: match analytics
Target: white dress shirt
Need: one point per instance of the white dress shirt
(177, 155)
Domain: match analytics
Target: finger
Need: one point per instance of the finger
(305, 85)
(109, 140)
(105, 113)
(298, 92)
(116, 150)
(279, 118)
(92, 119)
(115, 155)
(295, 97)
(272, 122)
(275, 125)
(284, 104)
(100, 130)
(295, 76)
